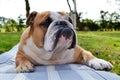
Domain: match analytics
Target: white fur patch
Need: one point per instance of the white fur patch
(49, 39)
(41, 56)
(65, 57)
(54, 15)
(99, 64)
(32, 50)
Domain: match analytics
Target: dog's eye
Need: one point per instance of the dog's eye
(46, 23)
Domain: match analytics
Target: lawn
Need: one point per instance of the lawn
(105, 45)
(8, 40)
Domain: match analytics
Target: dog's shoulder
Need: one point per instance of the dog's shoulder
(25, 35)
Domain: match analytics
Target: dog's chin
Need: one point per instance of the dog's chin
(62, 44)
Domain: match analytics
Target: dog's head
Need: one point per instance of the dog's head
(52, 30)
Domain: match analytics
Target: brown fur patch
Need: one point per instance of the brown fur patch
(81, 55)
(62, 13)
(39, 32)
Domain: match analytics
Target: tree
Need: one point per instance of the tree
(10, 25)
(103, 21)
(69, 5)
(27, 7)
(114, 21)
(2, 20)
(89, 25)
(20, 24)
(74, 14)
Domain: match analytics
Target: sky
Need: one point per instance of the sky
(90, 8)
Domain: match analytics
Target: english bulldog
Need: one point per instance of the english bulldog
(51, 39)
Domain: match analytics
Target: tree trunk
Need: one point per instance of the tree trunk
(69, 5)
(74, 15)
(27, 8)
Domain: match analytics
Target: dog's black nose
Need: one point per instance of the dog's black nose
(67, 32)
(61, 23)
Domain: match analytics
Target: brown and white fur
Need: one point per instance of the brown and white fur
(50, 39)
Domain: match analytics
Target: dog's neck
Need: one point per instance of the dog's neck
(39, 51)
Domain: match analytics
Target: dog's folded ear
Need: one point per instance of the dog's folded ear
(30, 19)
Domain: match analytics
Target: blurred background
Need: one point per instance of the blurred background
(91, 15)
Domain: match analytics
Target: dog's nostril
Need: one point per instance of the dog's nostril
(61, 23)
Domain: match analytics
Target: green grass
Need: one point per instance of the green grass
(8, 40)
(2, 30)
(105, 45)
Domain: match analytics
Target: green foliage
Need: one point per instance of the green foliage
(20, 25)
(9, 25)
(108, 22)
(89, 25)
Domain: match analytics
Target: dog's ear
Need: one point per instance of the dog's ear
(30, 19)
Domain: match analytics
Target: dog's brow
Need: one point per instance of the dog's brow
(54, 15)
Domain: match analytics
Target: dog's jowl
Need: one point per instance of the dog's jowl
(51, 39)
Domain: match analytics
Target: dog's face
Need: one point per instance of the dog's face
(52, 30)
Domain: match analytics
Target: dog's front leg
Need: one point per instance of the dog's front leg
(23, 63)
(85, 57)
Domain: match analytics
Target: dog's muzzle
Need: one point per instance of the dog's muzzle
(60, 35)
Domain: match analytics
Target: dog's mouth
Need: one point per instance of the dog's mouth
(64, 36)
(59, 36)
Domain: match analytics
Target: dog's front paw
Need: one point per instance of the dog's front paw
(100, 64)
(25, 67)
